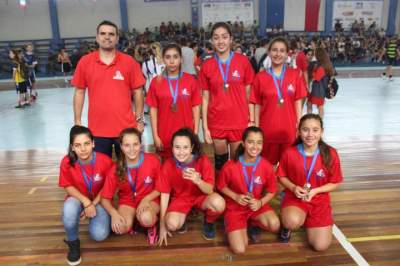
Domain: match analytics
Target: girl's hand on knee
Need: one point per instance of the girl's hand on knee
(117, 223)
(143, 206)
(90, 211)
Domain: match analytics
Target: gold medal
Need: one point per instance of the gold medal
(307, 187)
(249, 195)
(226, 86)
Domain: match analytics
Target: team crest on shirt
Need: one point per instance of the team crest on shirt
(97, 178)
(118, 75)
(148, 180)
(320, 173)
(185, 92)
(258, 180)
(290, 89)
(235, 75)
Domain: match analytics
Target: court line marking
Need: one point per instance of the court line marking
(350, 249)
(44, 179)
(373, 238)
(32, 191)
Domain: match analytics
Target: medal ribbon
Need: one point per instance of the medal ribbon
(249, 182)
(225, 74)
(278, 86)
(174, 92)
(136, 168)
(300, 148)
(88, 180)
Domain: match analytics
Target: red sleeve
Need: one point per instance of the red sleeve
(137, 78)
(151, 97)
(249, 72)
(157, 168)
(318, 73)
(79, 79)
(301, 90)
(283, 165)
(196, 95)
(110, 185)
(223, 177)
(65, 178)
(207, 171)
(203, 79)
(255, 96)
(271, 185)
(336, 175)
(162, 183)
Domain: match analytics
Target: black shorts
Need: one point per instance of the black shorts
(391, 61)
(21, 87)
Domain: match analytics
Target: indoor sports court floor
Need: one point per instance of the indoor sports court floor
(362, 122)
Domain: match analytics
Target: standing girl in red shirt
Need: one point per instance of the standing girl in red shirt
(187, 181)
(309, 170)
(174, 100)
(322, 73)
(243, 181)
(134, 177)
(82, 175)
(225, 80)
(277, 94)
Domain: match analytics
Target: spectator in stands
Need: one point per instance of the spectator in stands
(111, 78)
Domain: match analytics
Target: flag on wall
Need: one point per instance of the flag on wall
(312, 15)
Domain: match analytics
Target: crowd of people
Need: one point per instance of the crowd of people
(254, 121)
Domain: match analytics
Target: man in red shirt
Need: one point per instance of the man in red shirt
(111, 78)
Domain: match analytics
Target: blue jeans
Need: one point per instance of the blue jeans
(99, 226)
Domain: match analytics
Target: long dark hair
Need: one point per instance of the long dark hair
(323, 60)
(194, 140)
(20, 62)
(324, 148)
(73, 133)
(245, 135)
(121, 161)
(221, 25)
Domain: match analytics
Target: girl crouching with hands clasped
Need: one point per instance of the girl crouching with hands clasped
(134, 178)
(309, 170)
(187, 181)
(82, 175)
(243, 181)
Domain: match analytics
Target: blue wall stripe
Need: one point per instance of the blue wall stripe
(123, 6)
(391, 25)
(328, 15)
(55, 30)
(262, 17)
(275, 13)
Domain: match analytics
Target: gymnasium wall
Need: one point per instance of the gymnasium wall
(79, 18)
(32, 23)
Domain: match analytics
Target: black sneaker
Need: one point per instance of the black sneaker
(254, 234)
(74, 253)
(284, 235)
(183, 229)
(208, 231)
(19, 106)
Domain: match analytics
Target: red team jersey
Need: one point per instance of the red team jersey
(291, 166)
(110, 91)
(278, 122)
(72, 175)
(227, 110)
(146, 175)
(171, 180)
(301, 61)
(232, 176)
(160, 97)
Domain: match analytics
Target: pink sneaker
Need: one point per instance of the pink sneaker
(152, 236)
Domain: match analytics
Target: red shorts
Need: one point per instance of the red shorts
(234, 135)
(134, 204)
(184, 205)
(317, 215)
(237, 219)
(316, 100)
(273, 151)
